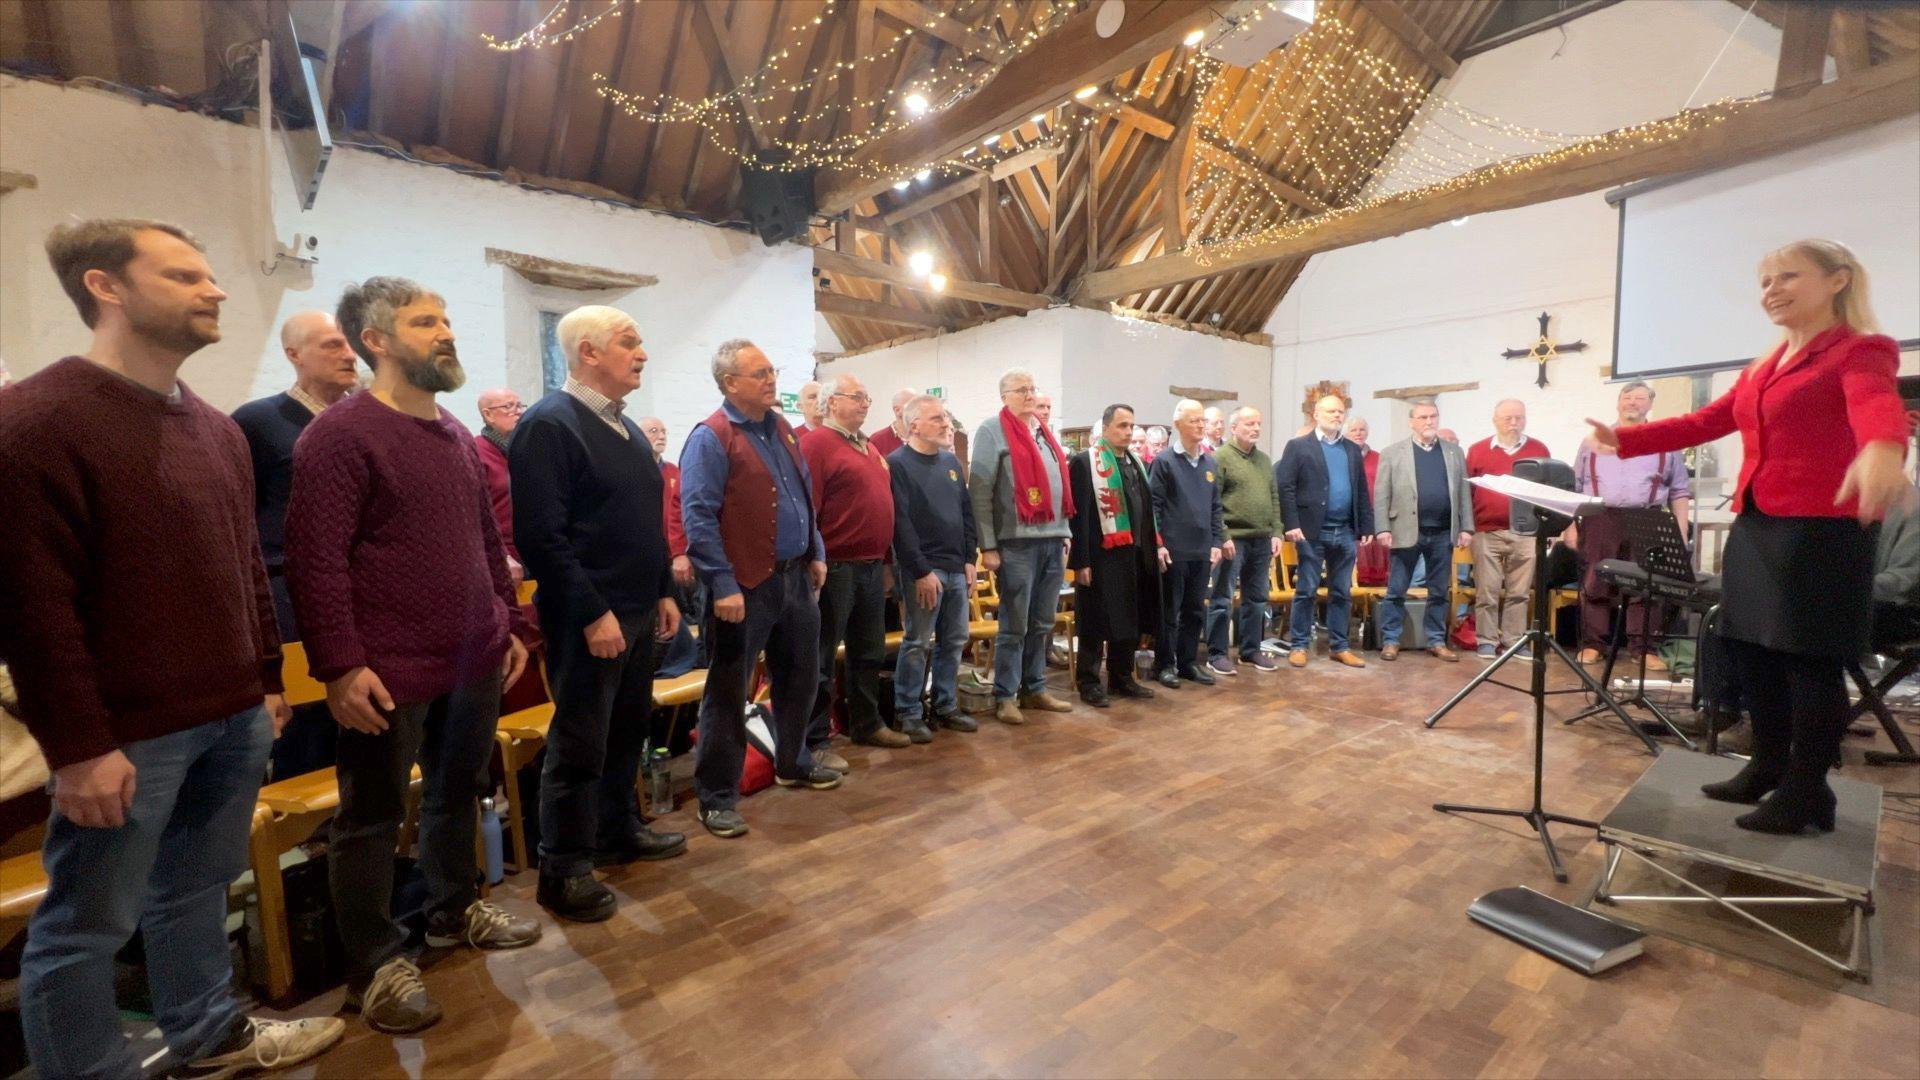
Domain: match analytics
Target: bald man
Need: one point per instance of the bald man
(889, 439)
(323, 373)
(1213, 428)
(500, 410)
(812, 412)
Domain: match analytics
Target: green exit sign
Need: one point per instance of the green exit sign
(789, 402)
(939, 392)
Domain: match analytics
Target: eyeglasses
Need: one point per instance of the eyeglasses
(1022, 391)
(861, 398)
(762, 375)
(516, 407)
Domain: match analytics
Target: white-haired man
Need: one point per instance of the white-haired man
(401, 587)
(589, 508)
(894, 436)
(1193, 540)
(1022, 508)
(764, 564)
(1156, 443)
(500, 410)
(933, 544)
(1502, 558)
(1250, 507)
(1328, 516)
(812, 410)
(1213, 428)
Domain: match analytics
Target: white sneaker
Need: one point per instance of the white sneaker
(274, 1044)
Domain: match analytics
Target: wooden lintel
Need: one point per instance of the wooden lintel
(567, 275)
(1414, 393)
(15, 181)
(1203, 394)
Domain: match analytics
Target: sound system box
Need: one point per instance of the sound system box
(778, 202)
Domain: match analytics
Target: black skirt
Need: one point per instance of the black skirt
(1801, 585)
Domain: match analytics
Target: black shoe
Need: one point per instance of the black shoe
(917, 730)
(818, 778)
(1200, 676)
(580, 898)
(647, 846)
(1129, 689)
(956, 721)
(1748, 785)
(1168, 679)
(1789, 810)
(725, 824)
(1095, 697)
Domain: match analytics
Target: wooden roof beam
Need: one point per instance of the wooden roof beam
(1025, 159)
(1070, 57)
(1887, 91)
(952, 31)
(1803, 49)
(709, 24)
(958, 189)
(1242, 162)
(829, 261)
(1391, 15)
(1129, 114)
(832, 303)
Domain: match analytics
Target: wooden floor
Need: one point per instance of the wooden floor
(1238, 880)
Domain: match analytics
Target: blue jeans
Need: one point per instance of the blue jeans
(193, 798)
(1328, 559)
(1247, 571)
(937, 634)
(1030, 576)
(1435, 549)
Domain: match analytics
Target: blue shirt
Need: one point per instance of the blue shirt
(703, 486)
(1339, 481)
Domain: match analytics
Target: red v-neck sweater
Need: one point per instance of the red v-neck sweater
(134, 594)
(852, 494)
(1491, 510)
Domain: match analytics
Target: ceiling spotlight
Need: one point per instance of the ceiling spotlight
(1085, 92)
(1039, 118)
(900, 185)
(938, 282)
(991, 139)
(923, 174)
(921, 263)
(1459, 221)
(916, 103)
(1194, 38)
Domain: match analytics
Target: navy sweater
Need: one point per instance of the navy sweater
(1186, 504)
(588, 515)
(272, 425)
(932, 513)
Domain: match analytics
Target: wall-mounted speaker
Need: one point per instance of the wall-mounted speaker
(778, 202)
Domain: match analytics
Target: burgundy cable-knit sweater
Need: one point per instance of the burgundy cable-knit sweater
(393, 557)
(133, 598)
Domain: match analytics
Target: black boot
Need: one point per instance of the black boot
(1772, 747)
(1803, 797)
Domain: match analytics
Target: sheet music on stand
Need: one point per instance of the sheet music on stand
(1558, 500)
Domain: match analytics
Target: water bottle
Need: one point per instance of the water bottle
(490, 840)
(659, 783)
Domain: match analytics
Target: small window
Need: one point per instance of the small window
(553, 360)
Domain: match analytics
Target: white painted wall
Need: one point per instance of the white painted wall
(98, 154)
(1086, 359)
(1439, 306)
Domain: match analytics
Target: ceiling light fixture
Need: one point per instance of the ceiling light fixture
(921, 263)
(991, 139)
(1039, 118)
(1085, 92)
(923, 174)
(938, 282)
(900, 185)
(1194, 38)
(916, 103)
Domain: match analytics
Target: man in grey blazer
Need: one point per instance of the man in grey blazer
(1424, 508)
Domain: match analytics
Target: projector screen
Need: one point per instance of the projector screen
(1687, 298)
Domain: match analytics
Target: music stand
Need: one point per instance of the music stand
(1654, 544)
(1550, 523)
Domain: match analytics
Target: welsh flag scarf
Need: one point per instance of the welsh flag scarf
(1110, 491)
(1032, 487)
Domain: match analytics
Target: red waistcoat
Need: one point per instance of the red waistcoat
(749, 527)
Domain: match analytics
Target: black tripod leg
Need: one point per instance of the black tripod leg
(1474, 683)
(1606, 699)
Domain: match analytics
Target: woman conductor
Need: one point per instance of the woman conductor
(1823, 433)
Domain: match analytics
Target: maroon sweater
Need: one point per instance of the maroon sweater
(853, 493)
(393, 557)
(130, 572)
(1492, 510)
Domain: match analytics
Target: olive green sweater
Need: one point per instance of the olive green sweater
(1248, 498)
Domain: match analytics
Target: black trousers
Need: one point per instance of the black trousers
(1118, 658)
(1799, 708)
(1185, 615)
(853, 609)
(601, 709)
(783, 620)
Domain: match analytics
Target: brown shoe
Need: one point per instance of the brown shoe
(1389, 652)
(1297, 658)
(1045, 702)
(1441, 652)
(1007, 712)
(1349, 658)
(886, 736)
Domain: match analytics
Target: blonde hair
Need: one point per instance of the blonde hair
(1850, 304)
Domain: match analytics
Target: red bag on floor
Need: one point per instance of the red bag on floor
(756, 772)
(1465, 636)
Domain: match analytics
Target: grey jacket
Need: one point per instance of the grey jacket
(990, 484)
(1396, 502)
(1896, 566)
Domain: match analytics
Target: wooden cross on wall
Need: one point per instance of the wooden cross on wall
(1543, 350)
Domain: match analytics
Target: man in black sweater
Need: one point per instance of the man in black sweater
(933, 547)
(587, 517)
(1193, 539)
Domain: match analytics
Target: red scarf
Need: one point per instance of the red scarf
(1032, 487)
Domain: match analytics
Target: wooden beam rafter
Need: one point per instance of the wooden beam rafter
(1391, 15)
(853, 307)
(832, 262)
(1803, 49)
(952, 31)
(933, 199)
(709, 25)
(1242, 162)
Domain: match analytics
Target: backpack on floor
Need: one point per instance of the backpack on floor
(756, 769)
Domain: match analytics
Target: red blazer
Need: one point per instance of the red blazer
(676, 525)
(1795, 425)
(499, 491)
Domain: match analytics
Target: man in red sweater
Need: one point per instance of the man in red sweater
(140, 632)
(400, 585)
(500, 410)
(893, 436)
(854, 495)
(1502, 558)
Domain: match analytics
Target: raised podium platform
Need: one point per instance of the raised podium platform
(1664, 815)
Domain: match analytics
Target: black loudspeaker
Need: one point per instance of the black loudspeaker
(1528, 519)
(778, 202)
